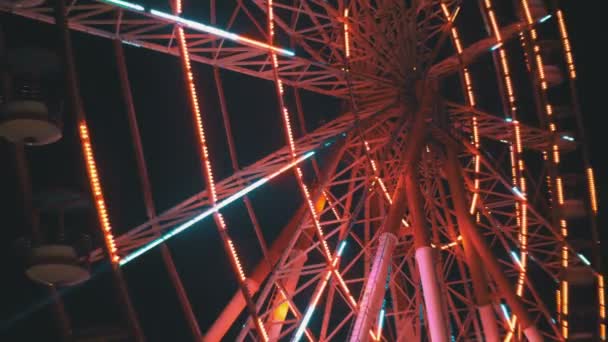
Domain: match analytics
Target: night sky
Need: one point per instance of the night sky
(171, 153)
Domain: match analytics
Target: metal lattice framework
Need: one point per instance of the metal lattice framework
(431, 216)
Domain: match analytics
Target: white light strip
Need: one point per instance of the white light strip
(219, 32)
(545, 18)
(127, 5)
(584, 259)
(191, 24)
(211, 210)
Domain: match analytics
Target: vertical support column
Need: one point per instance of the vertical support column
(426, 264)
(392, 223)
(374, 288)
(469, 229)
(147, 189)
(480, 288)
(63, 321)
(78, 108)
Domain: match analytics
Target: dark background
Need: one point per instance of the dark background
(171, 153)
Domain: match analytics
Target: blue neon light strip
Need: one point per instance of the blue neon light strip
(584, 259)
(545, 18)
(304, 323)
(540, 21)
(210, 211)
(341, 248)
(567, 137)
(517, 192)
(126, 5)
(516, 258)
(381, 320)
(311, 309)
(494, 47)
(505, 312)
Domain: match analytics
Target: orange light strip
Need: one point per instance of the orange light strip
(564, 320)
(566, 42)
(592, 193)
(470, 98)
(203, 145)
(100, 203)
(560, 191)
(346, 34)
(448, 245)
(558, 300)
(292, 149)
(208, 170)
(556, 155)
(590, 177)
(602, 305)
(517, 164)
(333, 208)
(387, 196)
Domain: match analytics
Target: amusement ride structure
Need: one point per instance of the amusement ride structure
(452, 198)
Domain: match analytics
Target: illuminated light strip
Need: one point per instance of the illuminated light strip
(378, 334)
(98, 197)
(517, 165)
(564, 321)
(560, 191)
(448, 245)
(545, 18)
(511, 321)
(292, 308)
(592, 193)
(311, 308)
(208, 169)
(219, 32)
(563, 307)
(446, 12)
(210, 211)
(566, 42)
(602, 306)
(346, 35)
(470, 100)
(182, 227)
(191, 24)
(505, 313)
(387, 196)
(195, 25)
(367, 148)
(333, 207)
(126, 5)
(584, 259)
(292, 149)
(567, 137)
(518, 193)
(558, 300)
(556, 158)
(516, 258)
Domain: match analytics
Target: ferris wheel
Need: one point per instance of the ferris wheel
(452, 198)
